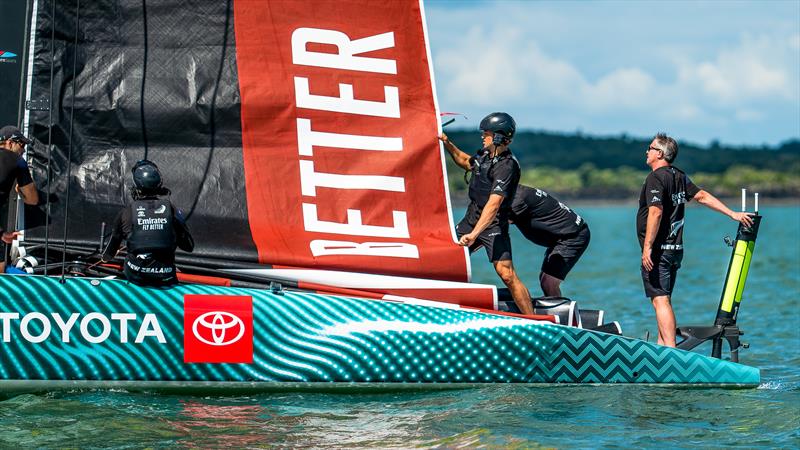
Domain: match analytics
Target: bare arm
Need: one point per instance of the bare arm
(653, 222)
(29, 194)
(487, 216)
(459, 157)
(705, 198)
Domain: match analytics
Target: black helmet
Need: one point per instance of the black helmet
(499, 122)
(146, 177)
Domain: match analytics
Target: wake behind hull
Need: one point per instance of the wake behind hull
(95, 333)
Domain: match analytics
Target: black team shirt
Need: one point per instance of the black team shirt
(544, 217)
(669, 187)
(13, 169)
(492, 175)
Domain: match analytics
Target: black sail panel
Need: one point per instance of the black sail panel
(171, 93)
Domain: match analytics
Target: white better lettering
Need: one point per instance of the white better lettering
(354, 226)
(307, 139)
(347, 49)
(310, 180)
(346, 101)
(320, 247)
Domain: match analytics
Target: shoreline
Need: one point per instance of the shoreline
(733, 203)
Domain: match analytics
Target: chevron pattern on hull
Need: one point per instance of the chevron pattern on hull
(580, 357)
(110, 330)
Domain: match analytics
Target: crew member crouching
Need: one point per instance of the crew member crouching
(152, 228)
(545, 221)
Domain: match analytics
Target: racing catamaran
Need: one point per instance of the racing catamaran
(300, 138)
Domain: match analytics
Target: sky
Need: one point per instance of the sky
(699, 71)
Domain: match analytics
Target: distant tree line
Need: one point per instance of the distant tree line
(577, 165)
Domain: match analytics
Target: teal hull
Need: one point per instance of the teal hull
(64, 336)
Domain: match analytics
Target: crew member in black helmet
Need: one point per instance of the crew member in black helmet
(13, 170)
(545, 221)
(152, 228)
(495, 175)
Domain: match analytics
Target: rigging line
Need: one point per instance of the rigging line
(71, 123)
(144, 77)
(49, 171)
(212, 114)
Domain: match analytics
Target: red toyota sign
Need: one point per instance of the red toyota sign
(217, 329)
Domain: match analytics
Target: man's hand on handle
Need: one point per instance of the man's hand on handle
(744, 218)
(9, 236)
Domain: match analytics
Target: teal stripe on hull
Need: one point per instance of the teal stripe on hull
(310, 338)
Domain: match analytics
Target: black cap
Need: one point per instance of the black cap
(13, 133)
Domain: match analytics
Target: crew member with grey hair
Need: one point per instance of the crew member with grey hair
(13, 170)
(660, 223)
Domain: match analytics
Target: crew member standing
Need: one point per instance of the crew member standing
(545, 221)
(13, 169)
(152, 229)
(495, 176)
(660, 223)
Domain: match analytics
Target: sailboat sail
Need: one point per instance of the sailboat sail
(339, 128)
(294, 135)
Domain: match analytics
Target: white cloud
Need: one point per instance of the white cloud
(685, 112)
(629, 88)
(756, 69)
(475, 74)
(479, 75)
(730, 72)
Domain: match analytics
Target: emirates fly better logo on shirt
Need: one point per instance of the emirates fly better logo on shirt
(217, 329)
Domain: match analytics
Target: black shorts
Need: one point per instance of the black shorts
(661, 280)
(134, 274)
(561, 257)
(494, 239)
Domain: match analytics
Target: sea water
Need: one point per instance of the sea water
(521, 416)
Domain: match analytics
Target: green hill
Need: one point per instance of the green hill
(577, 165)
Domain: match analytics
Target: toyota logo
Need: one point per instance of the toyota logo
(223, 326)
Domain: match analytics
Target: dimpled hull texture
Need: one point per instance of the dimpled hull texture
(310, 338)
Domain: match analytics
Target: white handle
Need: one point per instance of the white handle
(744, 200)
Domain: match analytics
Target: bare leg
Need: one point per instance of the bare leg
(518, 290)
(2, 267)
(551, 286)
(665, 318)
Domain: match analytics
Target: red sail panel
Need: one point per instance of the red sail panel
(343, 169)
